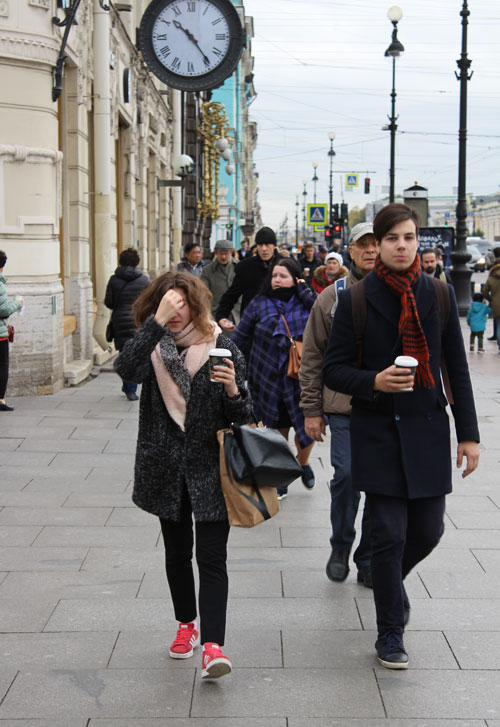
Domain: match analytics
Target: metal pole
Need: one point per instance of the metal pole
(297, 220)
(393, 126)
(304, 193)
(331, 154)
(461, 274)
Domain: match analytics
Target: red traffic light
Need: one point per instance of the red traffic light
(328, 232)
(337, 227)
(367, 185)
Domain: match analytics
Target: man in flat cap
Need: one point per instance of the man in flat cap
(219, 275)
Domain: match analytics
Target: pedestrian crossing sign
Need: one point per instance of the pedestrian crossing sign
(317, 214)
(351, 180)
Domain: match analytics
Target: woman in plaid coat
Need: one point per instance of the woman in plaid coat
(275, 395)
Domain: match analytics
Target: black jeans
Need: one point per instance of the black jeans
(211, 556)
(4, 367)
(403, 532)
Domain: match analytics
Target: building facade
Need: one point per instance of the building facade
(80, 177)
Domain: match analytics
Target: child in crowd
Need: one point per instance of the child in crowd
(477, 316)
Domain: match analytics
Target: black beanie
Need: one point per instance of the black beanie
(265, 234)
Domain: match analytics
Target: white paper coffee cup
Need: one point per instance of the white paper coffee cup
(215, 358)
(406, 362)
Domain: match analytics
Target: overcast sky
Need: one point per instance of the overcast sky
(320, 67)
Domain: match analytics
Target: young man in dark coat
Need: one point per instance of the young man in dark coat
(248, 279)
(400, 435)
(122, 291)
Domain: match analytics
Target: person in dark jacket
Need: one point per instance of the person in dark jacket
(7, 308)
(191, 262)
(249, 276)
(286, 301)
(400, 435)
(309, 261)
(177, 474)
(122, 290)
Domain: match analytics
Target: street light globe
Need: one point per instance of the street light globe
(304, 182)
(315, 165)
(331, 135)
(229, 169)
(226, 155)
(394, 14)
(222, 144)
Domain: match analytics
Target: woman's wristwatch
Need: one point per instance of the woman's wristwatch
(235, 397)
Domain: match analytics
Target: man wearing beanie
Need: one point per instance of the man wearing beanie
(318, 401)
(400, 431)
(248, 278)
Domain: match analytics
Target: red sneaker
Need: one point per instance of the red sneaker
(214, 664)
(187, 638)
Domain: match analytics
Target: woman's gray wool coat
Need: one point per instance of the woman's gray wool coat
(167, 459)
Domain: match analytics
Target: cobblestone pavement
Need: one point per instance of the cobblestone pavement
(85, 618)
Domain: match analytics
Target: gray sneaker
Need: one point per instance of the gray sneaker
(391, 651)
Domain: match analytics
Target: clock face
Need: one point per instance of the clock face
(191, 44)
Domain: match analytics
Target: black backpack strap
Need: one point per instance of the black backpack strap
(358, 302)
(444, 306)
(443, 302)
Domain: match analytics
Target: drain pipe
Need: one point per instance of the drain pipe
(105, 230)
(175, 253)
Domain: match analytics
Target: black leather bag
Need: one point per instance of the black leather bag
(262, 456)
(110, 334)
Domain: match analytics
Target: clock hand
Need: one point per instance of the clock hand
(192, 39)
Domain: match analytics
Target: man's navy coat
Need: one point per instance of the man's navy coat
(400, 442)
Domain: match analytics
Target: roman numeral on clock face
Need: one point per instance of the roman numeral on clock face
(220, 36)
(176, 10)
(190, 67)
(216, 51)
(165, 51)
(217, 20)
(163, 36)
(191, 7)
(176, 63)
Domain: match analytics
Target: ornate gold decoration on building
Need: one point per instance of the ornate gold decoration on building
(214, 126)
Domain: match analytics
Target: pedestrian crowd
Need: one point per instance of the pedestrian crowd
(376, 331)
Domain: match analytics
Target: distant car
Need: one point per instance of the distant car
(484, 248)
(477, 263)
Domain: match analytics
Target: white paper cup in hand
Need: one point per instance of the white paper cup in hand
(406, 362)
(215, 358)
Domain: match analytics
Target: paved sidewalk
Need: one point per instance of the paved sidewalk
(85, 619)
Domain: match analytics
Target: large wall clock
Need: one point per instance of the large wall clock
(191, 45)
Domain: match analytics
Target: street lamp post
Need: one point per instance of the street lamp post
(297, 205)
(315, 179)
(393, 51)
(331, 154)
(304, 194)
(460, 273)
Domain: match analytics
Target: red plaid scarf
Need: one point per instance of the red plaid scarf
(409, 328)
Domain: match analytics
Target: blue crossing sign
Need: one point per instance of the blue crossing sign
(317, 214)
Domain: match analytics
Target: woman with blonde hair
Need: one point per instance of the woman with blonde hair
(177, 474)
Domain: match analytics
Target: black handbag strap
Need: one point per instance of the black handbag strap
(259, 503)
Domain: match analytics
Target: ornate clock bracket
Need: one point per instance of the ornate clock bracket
(68, 22)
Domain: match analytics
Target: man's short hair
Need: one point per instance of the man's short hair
(309, 244)
(393, 214)
(129, 258)
(428, 251)
(496, 251)
(189, 246)
(3, 258)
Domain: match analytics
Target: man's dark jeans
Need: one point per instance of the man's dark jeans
(344, 499)
(403, 532)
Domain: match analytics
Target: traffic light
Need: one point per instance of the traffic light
(344, 211)
(337, 228)
(335, 211)
(229, 233)
(328, 233)
(367, 185)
